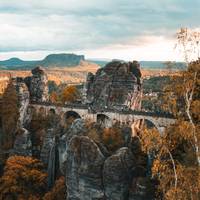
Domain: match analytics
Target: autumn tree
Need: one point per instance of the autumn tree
(54, 97)
(176, 157)
(172, 162)
(182, 95)
(23, 179)
(52, 86)
(188, 89)
(112, 138)
(58, 192)
(10, 115)
(70, 94)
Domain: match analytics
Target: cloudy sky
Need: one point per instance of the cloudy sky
(124, 29)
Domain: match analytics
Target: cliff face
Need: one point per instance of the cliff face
(117, 86)
(23, 95)
(93, 174)
(31, 88)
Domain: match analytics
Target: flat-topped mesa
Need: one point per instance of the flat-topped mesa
(115, 86)
(38, 85)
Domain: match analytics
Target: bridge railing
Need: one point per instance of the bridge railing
(71, 105)
(92, 110)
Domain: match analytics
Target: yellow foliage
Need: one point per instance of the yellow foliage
(150, 139)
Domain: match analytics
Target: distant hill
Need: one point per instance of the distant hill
(160, 65)
(52, 60)
(146, 64)
(101, 63)
(62, 60)
(71, 60)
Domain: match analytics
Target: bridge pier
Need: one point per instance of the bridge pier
(161, 130)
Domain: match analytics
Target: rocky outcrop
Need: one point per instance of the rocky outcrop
(77, 128)
(38, 85)
(117, 174)
(84, 170)
(22, 144)
(140, 189)
(92, 174)
(23, 101)
(116, 86)
(53, 164)
(47, 146)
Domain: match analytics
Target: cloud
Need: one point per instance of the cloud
(75, 25)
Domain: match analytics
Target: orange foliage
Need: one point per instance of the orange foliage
(112, 138)
(58, 192)
(10, 114)
(70, 94)
(54, 97)
(23, 179)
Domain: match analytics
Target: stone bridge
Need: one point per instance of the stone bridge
(107, 117)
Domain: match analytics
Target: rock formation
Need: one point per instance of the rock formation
(47, 146)
(77, 128)
(38, 85)
(30, 88)
(91, 171)
(23, 95)
(84, 170)
(117, 174)
(91, 174)
(22, 144)
(53, 163)
(115, 86)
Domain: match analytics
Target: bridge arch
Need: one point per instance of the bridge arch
(71, 114)
(139, 123)
(103, 120)
(52, 111)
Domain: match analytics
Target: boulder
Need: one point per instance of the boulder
(84, 170)
(117, 174)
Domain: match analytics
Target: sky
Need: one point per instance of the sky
(108, 29)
